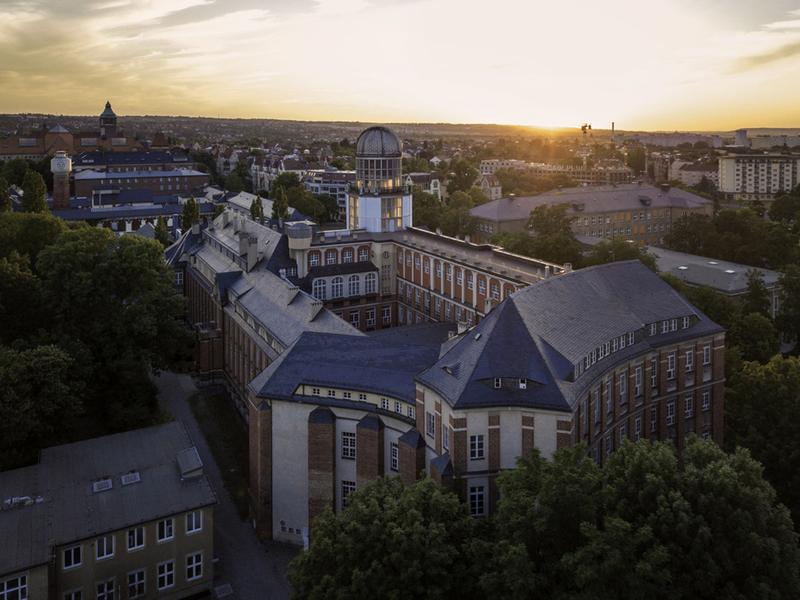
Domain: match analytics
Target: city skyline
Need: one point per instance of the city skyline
(694, 66)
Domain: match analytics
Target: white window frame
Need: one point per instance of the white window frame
(689, 356)
(476, 447)
(671, 412)
(106, 593)
(394, 457)
(477, 500)
(165, 525)
(348, 487)
(688, 406)
(165, 571)
(138, 543)
(637, 380)
(17, 585)
(348, 445)
(622, 387)
(103, 542)
(136, 583)
(194, 564)
(670, 366)
(196, 519)
(706, 354)
(653, 419)
(430, 424)
(71, 551)
(706, 400)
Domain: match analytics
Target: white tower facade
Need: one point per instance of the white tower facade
(379, 202)
(61, 167)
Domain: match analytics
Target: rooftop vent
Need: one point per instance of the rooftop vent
(730, 271)
(682, 268)
(477, 336)
(189, 463)
(713, 262)
(131, 477)
(102, 485)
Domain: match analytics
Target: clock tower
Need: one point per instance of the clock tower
(61, 167)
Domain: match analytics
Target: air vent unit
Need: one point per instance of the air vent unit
(102, 485)
(129, 478)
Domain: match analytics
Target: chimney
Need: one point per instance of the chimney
(467, 238)
(462, 327)
(195, 228)
(546, 271)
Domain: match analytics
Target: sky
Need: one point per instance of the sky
(668, 65)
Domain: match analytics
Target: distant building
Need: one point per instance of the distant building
(266, 169)
(767, 142)
(428, 182)
(750, 177)
(121, 516)
(36, 145)
(638, 212)
(492, 165)
(336, 184)
(724, 277)
(740, 138)
(140, 160)
(607, 171)
(94, 184)
(490, 186)
(692, 174)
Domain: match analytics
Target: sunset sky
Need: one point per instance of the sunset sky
(675, 64)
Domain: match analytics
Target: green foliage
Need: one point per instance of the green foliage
(5, 197)
(427, 209)
(755, 336)
(191, 213)
(20, 298)
(40, 399)
(756, 299)
(257, 209)
(14, 171)
(161, 232)
(392, 541)
(234, 183)
(34, 192)
(526, 183)
(788, 318)
(762, 406)
(285, 181)
(618, 249)
(553, 239)
(280, 204)
(28, 233)
(462, 176)
(736, 235)
(636, 159)
(456, 220)
(786, 207)
(304, 201)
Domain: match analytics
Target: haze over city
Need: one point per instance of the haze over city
(694, 65)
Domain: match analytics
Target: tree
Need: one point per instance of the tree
(28, 233)
(636, 159)
(462, 176)
(755, 336)
(257, 209)
(788, 318)
(786, 207)
(427, 210)
(5, 197)
(392, 541)
(20, 299)
(191, 213)
(161, 231)
(553, 238)
(280, 205)
(34, 193)
(234, 183)
(756, 299)
(618, 249)
(304, 201)
(285, 180)
(14, 171)
(40, 399)
(762, 413)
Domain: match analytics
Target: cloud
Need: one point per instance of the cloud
(760, 60)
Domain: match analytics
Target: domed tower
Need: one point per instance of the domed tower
(61, 166)
(379, 201)
(108, 122)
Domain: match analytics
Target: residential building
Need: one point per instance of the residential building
(129, 515)
(427, 182)
(490, 186)
(722, 276)
(606, 171)
(750, 177)
(492, 165)
(639, 212)
(336, 184)
(693, 173)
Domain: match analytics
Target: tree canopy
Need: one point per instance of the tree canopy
(617, 249)
(34, 193)
(191, 213)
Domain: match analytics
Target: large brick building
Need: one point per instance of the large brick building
(505, 354)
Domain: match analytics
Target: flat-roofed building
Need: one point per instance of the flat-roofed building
(122, 516)
(750, 177)
(639, 212)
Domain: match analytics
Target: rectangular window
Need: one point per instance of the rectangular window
(653, 328)
(398, 407)
(689, 361)
(430, 424)
(597, 406)
(347, 395)
(653, 373)
(469, 280)
(136, 585)
(707, 354)
(362, 396)
(477, 501)
(664, 326)
(706, 400)
(194, 566)
(394, 463)
(476, 447)
(445, 436)
(73, 595)
(671, 412)
(622, 386)
(15, 588)
(104, 547)
(637, 428)
(653, 419)
(449, 272)
(105, 590)
(315, 391)
(688, 406)
(631, 338)
(673, 324)
(135, 538)
(609, 445)
(410, 412)
(166, 574)
(623, 432)
(348, 445)
(331, 393)
(637, 381)
(194, 521)
(72, 557)
(671, 366)
(348, 487)
(385, 403)
(686, 321)
(386, 315)
(166, 530)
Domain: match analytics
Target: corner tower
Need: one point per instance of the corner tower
(108, 122)
(379, 201)
(61, 167)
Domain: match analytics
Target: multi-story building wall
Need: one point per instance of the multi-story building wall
(96, 185)
(336, 184)
(427, 182)
(750, 177)
(639, 212)
(491, 165)
(692, 174)
(116, 162)
(536, 372)
(266, 169)
(129, 515)
(606, 172)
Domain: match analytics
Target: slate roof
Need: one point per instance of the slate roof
(594, 199)
(541, 331)
(72, 511)
(152, 157)
(360, 363)
(95, 175)
(724, 276)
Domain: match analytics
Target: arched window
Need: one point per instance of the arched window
(369, 283)
(320, 288)
(337, 283)
(347, 255)
(354, 285)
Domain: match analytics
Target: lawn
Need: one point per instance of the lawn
(226, 435)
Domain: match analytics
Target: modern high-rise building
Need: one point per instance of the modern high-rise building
(751, 177)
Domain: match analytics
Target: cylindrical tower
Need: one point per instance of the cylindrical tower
(61, 167)
(379, 201)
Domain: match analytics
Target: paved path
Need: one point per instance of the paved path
(256, 571)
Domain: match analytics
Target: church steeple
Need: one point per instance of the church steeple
(108, 122)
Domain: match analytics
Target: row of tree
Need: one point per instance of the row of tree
(645, 525)
(84, 316)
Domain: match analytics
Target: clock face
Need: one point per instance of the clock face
(59, 164)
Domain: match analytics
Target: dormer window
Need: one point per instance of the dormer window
(523, 384)
(497, 383)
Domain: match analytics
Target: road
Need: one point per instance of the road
(255, 570)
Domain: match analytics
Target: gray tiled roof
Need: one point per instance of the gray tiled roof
(541, 331)
(723, 276)
(72, 511)
(593, 199)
